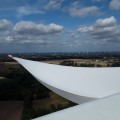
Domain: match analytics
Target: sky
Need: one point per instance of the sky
(59, 26)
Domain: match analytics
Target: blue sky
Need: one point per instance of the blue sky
(59, 25)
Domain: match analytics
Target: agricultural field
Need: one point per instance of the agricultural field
(11, 110)
(54, 99)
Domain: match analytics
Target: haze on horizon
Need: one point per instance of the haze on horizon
(59, 25)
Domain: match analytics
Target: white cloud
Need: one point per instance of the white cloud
(26, 10)
(31, 28)
(85, 29)
(54, 4)
(30, 33)
(50, 29)
(115, 4)
(85, 11)
(76, 4)
(104, 29)
(5, 25)
(106, 22)
(9, 39)
(24, 27)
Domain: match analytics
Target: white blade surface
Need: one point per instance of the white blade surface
(78, 84)
(102, 109)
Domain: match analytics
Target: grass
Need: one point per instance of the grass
(54, 99)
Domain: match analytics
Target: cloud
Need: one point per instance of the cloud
(115, 5)
(54, 4)
(26, 10)
(84, 11)
(5, 25)
(106, 30)
(25, 27)
(30, 33)
(31, 28)
(85, 29)
(9, 39)
(111, 21)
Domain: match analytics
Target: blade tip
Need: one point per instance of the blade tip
(10, 56)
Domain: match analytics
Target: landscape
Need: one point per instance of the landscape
(22, 97)
(77, 33)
